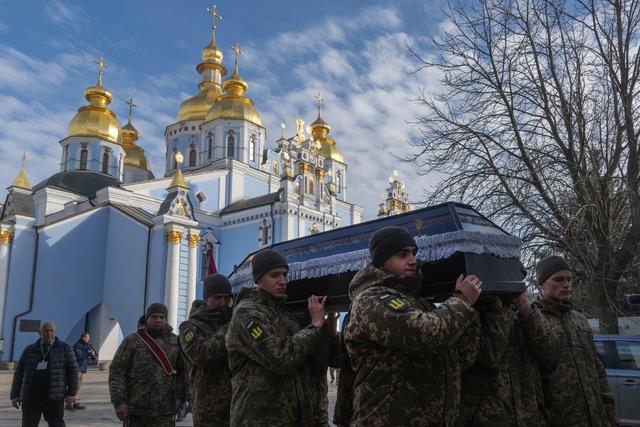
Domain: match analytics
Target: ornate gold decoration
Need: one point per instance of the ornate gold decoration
(193, 240)
(320, 173)
(6, 237)
(174, 236)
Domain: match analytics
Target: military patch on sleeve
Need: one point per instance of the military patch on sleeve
(255, 330)
(392, 302)
(189, 335)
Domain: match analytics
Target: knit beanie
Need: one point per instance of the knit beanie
(384, 243)
(215, 284)
(156, 307)
(549, 265)
(266, 260)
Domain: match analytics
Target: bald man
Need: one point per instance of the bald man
(46, 376)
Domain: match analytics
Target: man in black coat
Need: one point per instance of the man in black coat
(46, 376)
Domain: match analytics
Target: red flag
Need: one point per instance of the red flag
(212, 263)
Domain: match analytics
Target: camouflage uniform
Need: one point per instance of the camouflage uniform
(268, 358)
(137, 379)
(202, 341)
(503, 388)
(327, 353)
(407, 355)
(577, 393)
(343, 409)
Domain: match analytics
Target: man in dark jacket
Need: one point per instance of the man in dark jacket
(46, 376)
(85, 353)
(202, 341)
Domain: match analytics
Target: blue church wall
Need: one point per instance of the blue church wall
(124, 277)
(157, 267)
(72, 254)
(20, 276)
(236, 243)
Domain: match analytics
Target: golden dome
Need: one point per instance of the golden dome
(135, 157)
(22, 181)
(96, 119)
(330, 151)
(234, 105)
(196, 107)
(212, 52)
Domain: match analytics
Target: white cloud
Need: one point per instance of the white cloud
(67, 15)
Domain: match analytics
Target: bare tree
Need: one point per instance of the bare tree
(537, 125)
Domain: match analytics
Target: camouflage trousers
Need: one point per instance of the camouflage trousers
(148, 421)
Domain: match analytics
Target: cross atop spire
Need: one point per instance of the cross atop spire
(237, 50)
(320, 100)
(214, 16)
(101, 64)
(24, 157)
(131, 105)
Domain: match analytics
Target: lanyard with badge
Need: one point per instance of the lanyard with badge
(43, 365)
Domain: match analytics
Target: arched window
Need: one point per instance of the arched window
(209, 145)
(311, 186)
(66, 158)
(192, 157)
(338, 181)
(231, 147)
(252, 150)
(275, 168)
(105, 162)
(83, 158)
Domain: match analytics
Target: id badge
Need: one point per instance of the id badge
(41, 366)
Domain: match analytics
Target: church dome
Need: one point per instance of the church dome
(96, 119)
(212, 52)
(196, 107)
(234, 105)
(134, 154)
(330, 151)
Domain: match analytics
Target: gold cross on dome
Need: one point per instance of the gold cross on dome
(320, 100)
(214, 16)
(131, 105)
(101, 64)
(237, 50)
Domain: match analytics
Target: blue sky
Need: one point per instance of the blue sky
(352, 52)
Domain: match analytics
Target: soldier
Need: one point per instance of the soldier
(268, 352)
(146, 377)
(503, 388)
(577, 392)
(407, 355)
(202, 341)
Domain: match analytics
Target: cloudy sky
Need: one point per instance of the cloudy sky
(353, 52)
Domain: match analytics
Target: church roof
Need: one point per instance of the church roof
(138, 214)
(18, 204)
(267, 199)
(84, 182)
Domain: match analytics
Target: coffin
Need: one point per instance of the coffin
(452, 238)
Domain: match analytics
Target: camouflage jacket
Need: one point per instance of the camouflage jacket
(137, 378)
(577, 393)
(327, 353)
(407, 354)
(504, 388)
(268, 358)
(202, 342)
(343, 409)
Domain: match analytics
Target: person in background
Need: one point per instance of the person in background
(577, 392)
(85, 354)
(407, 355)
(45, 377)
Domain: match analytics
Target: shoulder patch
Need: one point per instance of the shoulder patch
(189, 335)
(392, 302)
(256, 331)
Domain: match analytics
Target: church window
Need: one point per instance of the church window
(209, 145)
(231, 147)
(252, 150)
(192, 157)
(83, 158)
(66, 157)
(276, 168)
(105, 162)
(311, 186)
(338, 181)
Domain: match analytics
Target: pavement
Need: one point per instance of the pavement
(95, 395)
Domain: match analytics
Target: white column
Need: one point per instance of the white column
(171, 285)
(193, 270)
(6, 238)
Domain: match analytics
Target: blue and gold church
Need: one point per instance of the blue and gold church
(92, 245)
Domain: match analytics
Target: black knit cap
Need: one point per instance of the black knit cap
(215, 284)
(156, 307)
(549, 265)
(266, 260)
(387, 241)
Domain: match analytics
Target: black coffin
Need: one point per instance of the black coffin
(452, 238)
